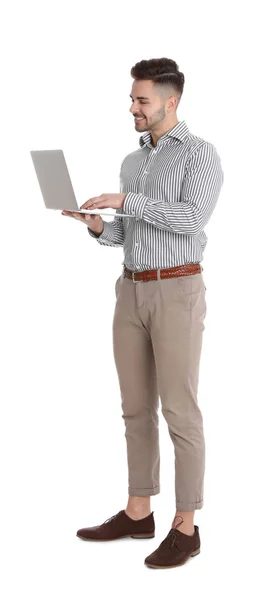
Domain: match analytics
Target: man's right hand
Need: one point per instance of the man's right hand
(94, 222)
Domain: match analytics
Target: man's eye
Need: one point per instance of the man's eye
(141, 101)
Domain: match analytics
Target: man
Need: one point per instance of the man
(171, 185)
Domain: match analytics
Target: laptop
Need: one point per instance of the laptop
(55, 183)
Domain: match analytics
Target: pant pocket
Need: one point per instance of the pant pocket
(189, 288)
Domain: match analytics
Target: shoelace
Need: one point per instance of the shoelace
(171, 537)
(173, 534)
(111, 518)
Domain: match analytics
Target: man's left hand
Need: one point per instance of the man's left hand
(105, 201)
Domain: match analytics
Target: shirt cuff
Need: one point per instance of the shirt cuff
(107, 233)
(134, 204)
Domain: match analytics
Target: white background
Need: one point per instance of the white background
(65, 71)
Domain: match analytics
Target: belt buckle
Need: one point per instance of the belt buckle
(133, 278)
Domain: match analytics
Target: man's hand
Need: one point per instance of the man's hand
(105, 201)
(94, 222)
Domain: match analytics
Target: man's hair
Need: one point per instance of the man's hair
(164, 73)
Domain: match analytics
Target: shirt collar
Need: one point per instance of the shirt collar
(179, 132)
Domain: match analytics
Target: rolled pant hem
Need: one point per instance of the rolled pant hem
(144, 491)
(189, 506)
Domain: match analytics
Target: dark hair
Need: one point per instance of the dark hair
(164, 72)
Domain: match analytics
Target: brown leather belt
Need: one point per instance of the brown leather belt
(179, 271)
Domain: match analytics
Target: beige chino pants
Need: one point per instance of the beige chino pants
(157, 339)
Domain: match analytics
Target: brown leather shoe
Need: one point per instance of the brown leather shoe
(119, 526)
(175, 549)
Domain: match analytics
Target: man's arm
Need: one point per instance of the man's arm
(201, 187)
(113, 232)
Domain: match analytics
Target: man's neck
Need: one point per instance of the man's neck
(156, 136)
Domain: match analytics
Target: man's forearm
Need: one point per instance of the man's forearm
(112, 234)
(95, 233)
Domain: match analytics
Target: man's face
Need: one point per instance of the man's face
(147, 105)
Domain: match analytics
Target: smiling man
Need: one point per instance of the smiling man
(170, 185)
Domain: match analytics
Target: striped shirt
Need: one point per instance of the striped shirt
(172, 190)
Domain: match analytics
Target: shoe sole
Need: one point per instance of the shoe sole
(142, 536)
(194, 553)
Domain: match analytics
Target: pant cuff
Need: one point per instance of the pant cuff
(189, 506)
(144, 491)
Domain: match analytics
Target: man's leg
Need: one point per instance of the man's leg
(184, 520)
(138, 507)
(178, 313)
(136, 370)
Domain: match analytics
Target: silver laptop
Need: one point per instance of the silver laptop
(55, 183)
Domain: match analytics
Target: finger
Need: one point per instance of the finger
(75, 215)
(88, 204)
(66, 213)
(91, 217)
(78, 215)
(99, 204)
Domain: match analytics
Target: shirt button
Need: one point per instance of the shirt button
(145, 172)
